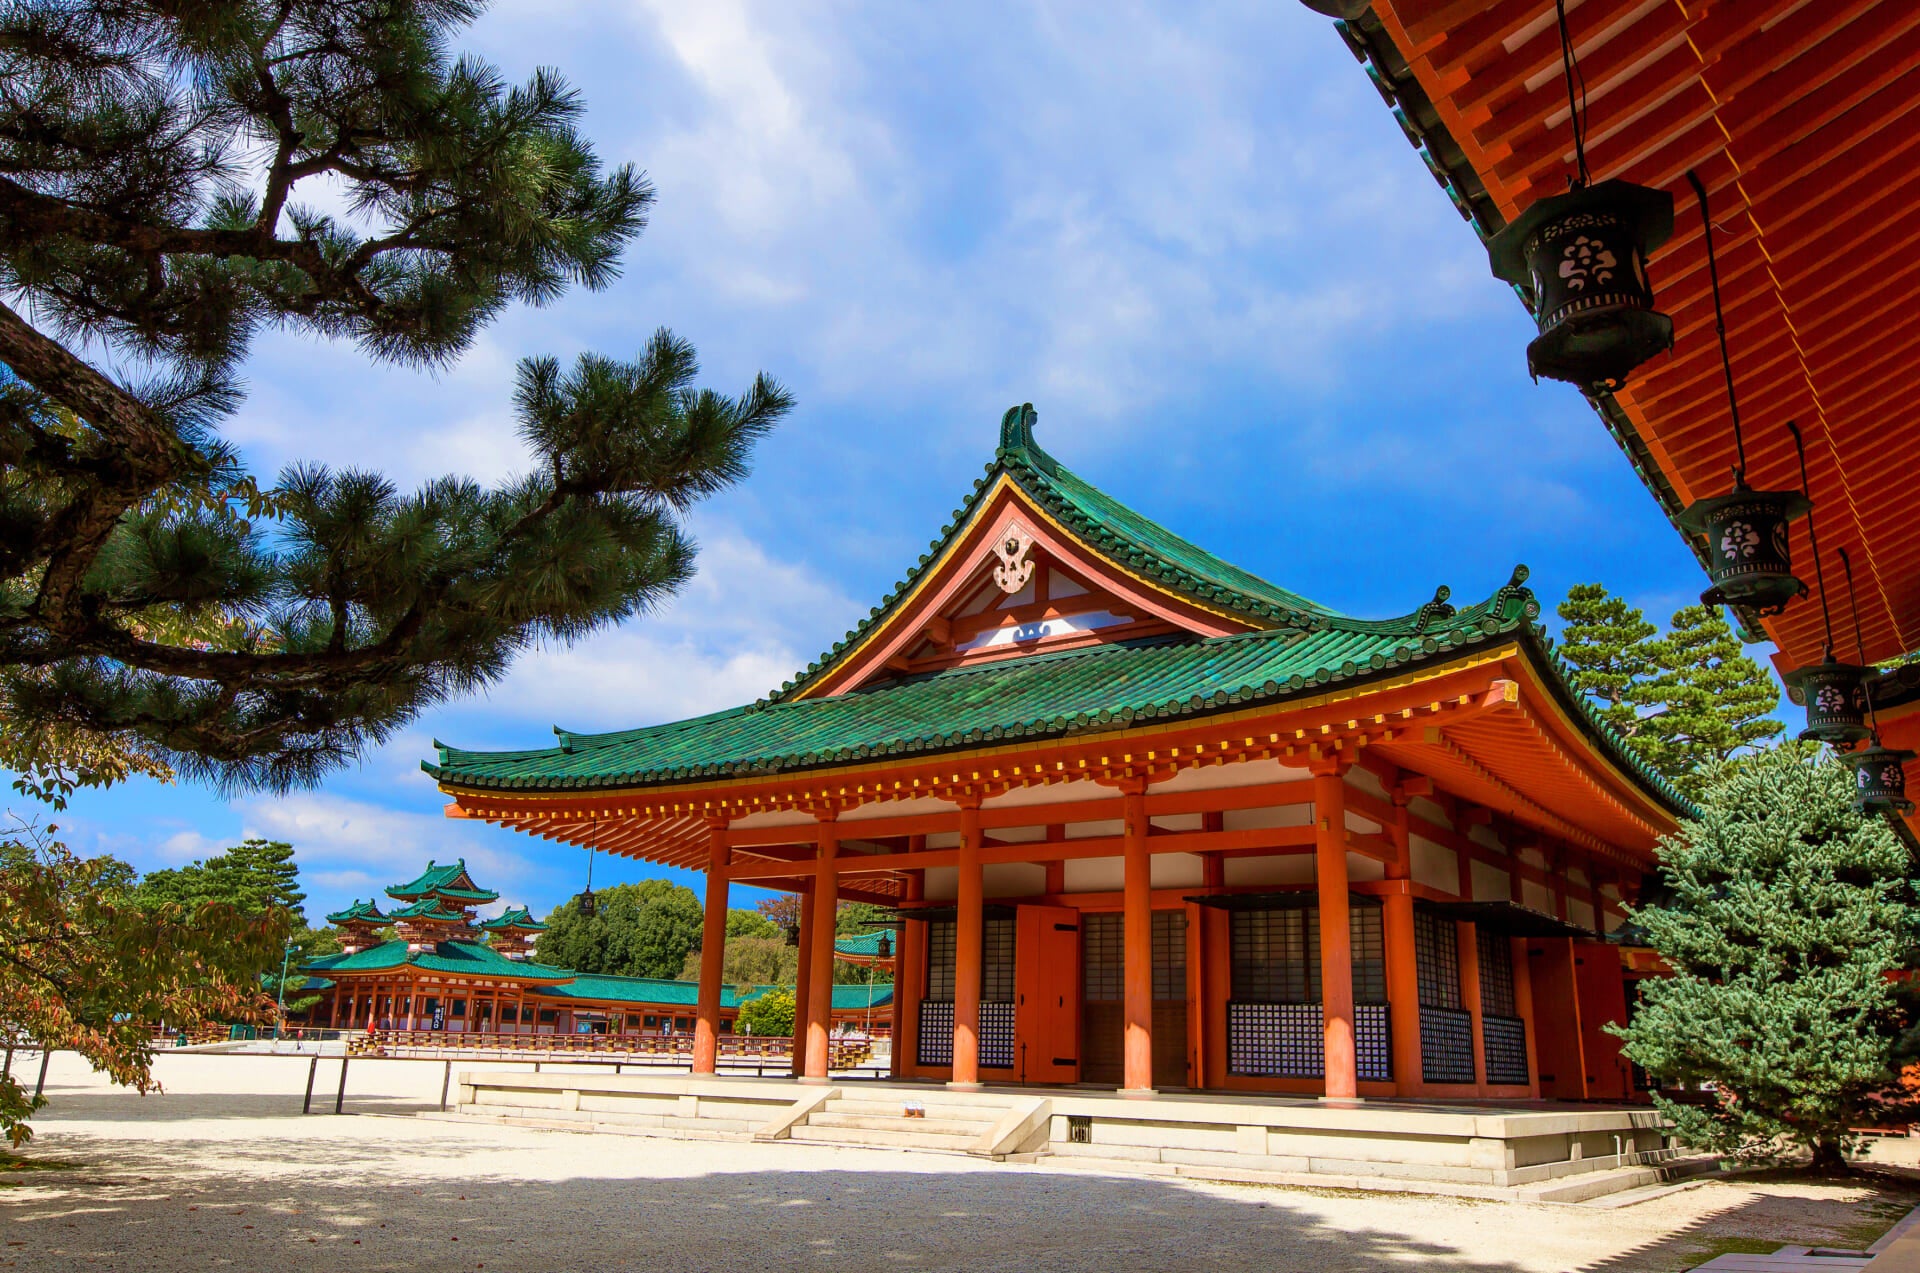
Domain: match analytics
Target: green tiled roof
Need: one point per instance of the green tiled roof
(427, 908)
(462, 958)
(443, 880)
(513, 917)
(1299, 649)
(359, 913)
(1045, 695)
(865, 945)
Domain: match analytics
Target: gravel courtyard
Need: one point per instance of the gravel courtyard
(223, 1172)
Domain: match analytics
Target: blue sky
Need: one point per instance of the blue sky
(1192, 235)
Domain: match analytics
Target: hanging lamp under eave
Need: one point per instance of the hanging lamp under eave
(1880, 779)
(585, 904)
(1343, 10)
(1835, 696)
(1584, 255)
(1749, 557)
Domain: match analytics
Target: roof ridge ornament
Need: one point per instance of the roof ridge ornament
(1435, 610)
(1015, 552)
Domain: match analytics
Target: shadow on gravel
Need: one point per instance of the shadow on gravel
(850, 1221)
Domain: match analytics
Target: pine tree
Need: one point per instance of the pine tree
(176, 179)
(1787, 912)
(1706, 703)
(251, 877)
(1605, 641)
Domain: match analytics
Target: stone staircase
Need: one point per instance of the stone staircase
(980, 1124)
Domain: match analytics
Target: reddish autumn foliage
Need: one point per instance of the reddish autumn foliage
(83, 967)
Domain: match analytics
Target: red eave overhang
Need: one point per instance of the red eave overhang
(1799, 115)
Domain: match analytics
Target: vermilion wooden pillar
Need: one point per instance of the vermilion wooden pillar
(1137, 938)
(967, 934)
(826, 896)
(1403, 977)
(713, 946)
(803, 980)
(1336, 939)
(907, 975)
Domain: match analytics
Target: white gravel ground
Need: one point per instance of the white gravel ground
(223, 1172)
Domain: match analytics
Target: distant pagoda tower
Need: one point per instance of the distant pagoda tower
(512, 932)
(439, 906)
(357, 924)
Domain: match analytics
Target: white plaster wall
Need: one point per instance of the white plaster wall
(1017, 835)
(1483, 835)
(1422, 807)
(1095, 875)
(1367, 781)
(893, 809)
(943, 883)
(1251, 773)
(1365, 826)
(943, 840)
(1013, 879)
(1490, 883)
(1577, 876)
(1434, 864)
(1178, 822)
(1614, 921)
(1176, 870)
(1579, 912)
(1536, 896)
(1079, 789)
(1285, 815)
(1290, 868)
(1093, 830)
(1362, 868)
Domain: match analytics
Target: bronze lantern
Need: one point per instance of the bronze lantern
(1584, 255)
(1344, 10)
(1835, 696)
(1749, 559)
(584, 903)
(1880, 779)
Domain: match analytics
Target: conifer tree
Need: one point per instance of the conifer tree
(1605, 641)
(1706, 701)
(1787, 910)
(177, 178)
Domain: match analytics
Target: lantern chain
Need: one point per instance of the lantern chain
(1813, 538)
(1576, 98)
(1720, 328)
(1860, 644)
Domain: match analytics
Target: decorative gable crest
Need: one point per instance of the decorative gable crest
(1015, 551)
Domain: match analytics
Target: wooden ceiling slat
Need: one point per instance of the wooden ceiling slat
(1605, 54)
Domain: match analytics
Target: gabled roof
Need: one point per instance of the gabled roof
(462, 958)
(1143, 547)
(450, 881)
(428, 908)
(1290, 649)
(359, 913)
(1045, 695)
(514, 917)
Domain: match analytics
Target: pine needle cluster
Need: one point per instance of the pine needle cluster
(175, 179)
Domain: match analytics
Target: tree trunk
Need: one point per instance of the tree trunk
(1827, 1158)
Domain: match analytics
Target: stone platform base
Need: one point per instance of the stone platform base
(1549, 1153)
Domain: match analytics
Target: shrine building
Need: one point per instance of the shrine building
(1152, 822)
(443, 970)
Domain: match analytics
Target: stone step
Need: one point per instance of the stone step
(953, 1143)
(831, 1117)
(945, 1111)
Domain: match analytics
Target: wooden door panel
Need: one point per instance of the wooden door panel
(1556, 1019)
(1603, 1000)
(1047, 981)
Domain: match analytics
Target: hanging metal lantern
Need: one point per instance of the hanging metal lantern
(584, 903)
(1749, 559)
(886, 946)
(1835, 696)
(1880, 779)
(1344, 10)
(1584, 254)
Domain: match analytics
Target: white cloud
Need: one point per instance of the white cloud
(335, 833)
